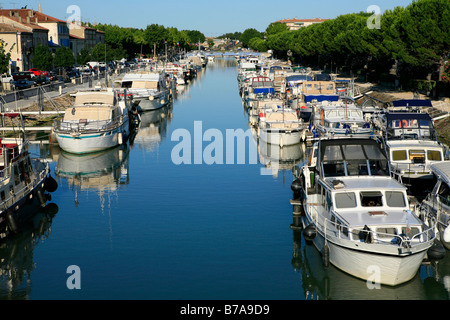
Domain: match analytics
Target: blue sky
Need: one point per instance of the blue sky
(212, 18)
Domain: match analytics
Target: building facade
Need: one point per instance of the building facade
(295, 24)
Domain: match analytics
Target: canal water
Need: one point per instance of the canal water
(147, 222)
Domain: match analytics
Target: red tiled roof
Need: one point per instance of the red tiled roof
(6, 28)
(23, 22)
(24, 13)
(302, 20)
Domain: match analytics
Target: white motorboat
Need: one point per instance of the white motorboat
(24, 182)
(149, 89)
(281, 127)
(412, 145)
(358, 216)
(340, 120)
(438, 201)
(98, 120)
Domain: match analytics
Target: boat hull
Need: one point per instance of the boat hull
(156, 103)
(91, 142)
(15, 216)
(386, 267)
(280, 137)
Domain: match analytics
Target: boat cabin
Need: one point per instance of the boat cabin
(349, 157)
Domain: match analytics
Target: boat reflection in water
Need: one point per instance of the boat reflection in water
(432, 282)
(16, 254)
(103, 171)
(153, 128)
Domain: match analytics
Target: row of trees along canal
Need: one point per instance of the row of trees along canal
(121, 43)
(412, 40)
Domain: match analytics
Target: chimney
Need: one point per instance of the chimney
(37, 21)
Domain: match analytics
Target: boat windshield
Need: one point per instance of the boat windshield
(410, 126)
(353, 160)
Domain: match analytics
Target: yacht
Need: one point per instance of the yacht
(98, 120)
(358, 216)
(148, 89)
(437, 202)
(25, 184)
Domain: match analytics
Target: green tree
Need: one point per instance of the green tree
(84, 56)
(4, 57)
(42, 57)
(64, 57)
(249, 34)
(276, 27)
(104, 52)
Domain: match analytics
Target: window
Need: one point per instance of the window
(417, 156)
(345, 200)
(434, 155)
(444, 194)
(371, 199)
(395, 199)
(399, 155)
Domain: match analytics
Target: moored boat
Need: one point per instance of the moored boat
(438, 201)
(358, 216)
(24, 184)
(149, 89)
(98, 120)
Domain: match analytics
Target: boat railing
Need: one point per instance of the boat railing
(84, 125)
(42, 169)
(410, 168)
(336, 229)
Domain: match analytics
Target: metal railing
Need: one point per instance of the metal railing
(60, 125)
(337, 230)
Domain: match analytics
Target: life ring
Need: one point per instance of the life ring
(404, 124)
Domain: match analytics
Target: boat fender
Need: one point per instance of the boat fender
(51, 209)
(367, 234)
(296, 187)
(326, 256)
(50, 184)
(41, 197)
(310, 232)
(436, 251)
(446, 235)
(12, 222)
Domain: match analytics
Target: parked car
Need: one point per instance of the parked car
(38, 72)
(23, 84)
(41, 80)
(52, 76)
(74, 74)
(23, 75)
(6, 78)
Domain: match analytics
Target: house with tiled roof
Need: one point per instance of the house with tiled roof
(58, 32)
(295, 24)
(21, 36)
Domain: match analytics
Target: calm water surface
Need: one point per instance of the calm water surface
(140, 227)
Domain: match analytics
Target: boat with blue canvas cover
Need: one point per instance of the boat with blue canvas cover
(98, 120)
(411, 141)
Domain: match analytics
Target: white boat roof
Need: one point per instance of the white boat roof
(248, 65)
(364, 183)
(414, 144)
(154, 76)
(442, 169)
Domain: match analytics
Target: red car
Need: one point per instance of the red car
(38, 72)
